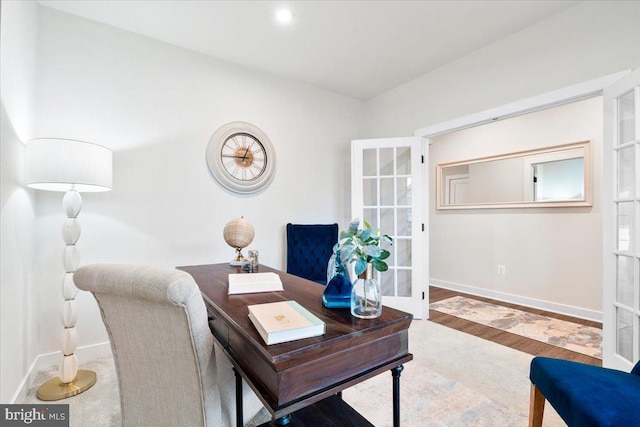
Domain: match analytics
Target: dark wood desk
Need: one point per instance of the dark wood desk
(296, 374)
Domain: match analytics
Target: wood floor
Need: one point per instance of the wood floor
(508, 339)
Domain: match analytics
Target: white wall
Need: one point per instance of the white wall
(550, 254)
(156, 106)
(590, 40)
(18, 29)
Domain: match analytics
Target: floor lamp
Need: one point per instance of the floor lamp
(71, 166)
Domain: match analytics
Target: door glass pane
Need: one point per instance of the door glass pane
(626, 117)
(625, 172)
(404, 283)
(387, 246)
(625, 274)
(387, 221)
(369, 166)
(403, 251)
(391, 261)
(386, 283)
(403, 161)
(404, 191)
(370, 192)
(404, 222)
(625, 226)
(386, 161)
(371, 216)
(624, 338)
(387, 195)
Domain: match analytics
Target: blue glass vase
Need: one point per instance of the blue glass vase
(337, 293)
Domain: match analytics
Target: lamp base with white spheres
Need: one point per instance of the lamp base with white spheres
(71, 380)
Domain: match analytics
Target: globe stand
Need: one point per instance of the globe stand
(237, 261)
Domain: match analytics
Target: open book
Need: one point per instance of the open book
(283, 321)
(254, 282)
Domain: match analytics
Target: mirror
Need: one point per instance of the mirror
(548, 177)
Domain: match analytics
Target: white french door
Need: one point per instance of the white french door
(621, 218)
(389, 189)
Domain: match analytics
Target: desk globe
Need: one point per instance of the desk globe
(238, 233)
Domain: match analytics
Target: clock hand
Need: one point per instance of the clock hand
(235, 157)
(247, 151)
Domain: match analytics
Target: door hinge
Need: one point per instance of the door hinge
(422, 294)
(535, 179)
(423, 226)
(422, 160)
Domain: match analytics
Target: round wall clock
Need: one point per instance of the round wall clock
(241, 158)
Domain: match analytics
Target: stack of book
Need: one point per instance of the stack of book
(283, 321)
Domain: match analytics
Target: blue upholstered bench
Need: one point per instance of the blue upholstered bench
(584, 395)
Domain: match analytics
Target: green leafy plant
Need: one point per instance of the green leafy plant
(362, 246)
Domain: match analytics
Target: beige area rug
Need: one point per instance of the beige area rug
(98, 406)
(561, 333)
(454, 380)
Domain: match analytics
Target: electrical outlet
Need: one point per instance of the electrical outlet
(502, 270)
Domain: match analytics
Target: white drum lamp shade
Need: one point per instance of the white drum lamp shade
(71, 166)
(60, 164)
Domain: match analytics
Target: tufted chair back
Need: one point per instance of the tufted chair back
(309, 247)
(170, 373)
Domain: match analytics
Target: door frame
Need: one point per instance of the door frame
(577, 92)
(567, 95)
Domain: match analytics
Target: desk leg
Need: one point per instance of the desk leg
(239, 420)
(283, 421)
(395, 372)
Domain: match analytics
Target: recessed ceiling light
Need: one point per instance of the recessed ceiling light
(284, 16)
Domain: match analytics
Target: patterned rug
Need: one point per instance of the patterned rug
(451, 382)
(561, 333)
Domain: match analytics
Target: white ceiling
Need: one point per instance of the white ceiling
(356, 48)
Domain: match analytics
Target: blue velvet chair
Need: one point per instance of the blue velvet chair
(309, 247)
(584, 395)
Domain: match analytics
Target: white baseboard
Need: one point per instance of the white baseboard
(568, 310)
(47, 360)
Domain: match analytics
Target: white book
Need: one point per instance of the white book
(254, 282)
(283, 321)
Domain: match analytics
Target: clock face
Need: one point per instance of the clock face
(244, 157)
(241, 158)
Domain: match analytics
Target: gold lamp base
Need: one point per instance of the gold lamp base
(55, 389)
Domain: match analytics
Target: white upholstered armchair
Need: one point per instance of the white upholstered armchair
(168, 371)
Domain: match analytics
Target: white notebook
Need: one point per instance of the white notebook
(254, 282)
(283, 321)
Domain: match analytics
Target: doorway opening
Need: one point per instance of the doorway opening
(504, 254)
